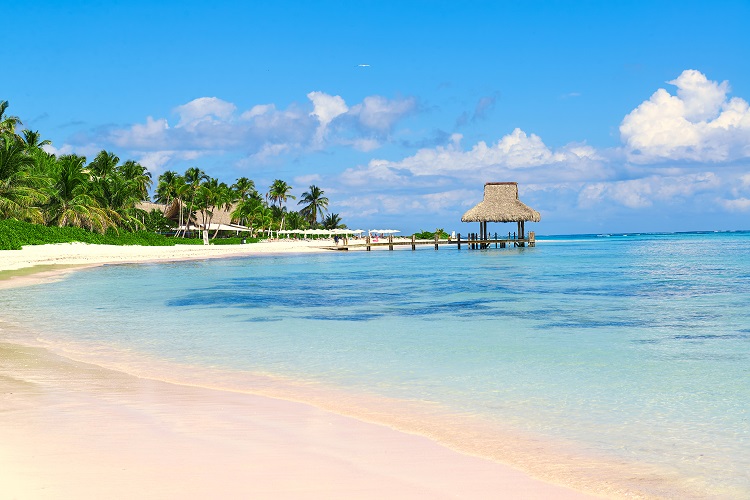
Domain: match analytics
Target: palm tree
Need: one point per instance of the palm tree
(245, 188)
(224, 198)
(71, 203)
(296, 221)
(120, 195)
(245, 210)
(193, 177)
(8, 124)
(138, 177)
(315, 203)
(21, 189)
(333, 221)
(166, 188)
(279, 192)
(104, 164)
(31, 139)
(262, 217)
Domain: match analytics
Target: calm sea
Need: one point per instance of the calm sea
(623, 359)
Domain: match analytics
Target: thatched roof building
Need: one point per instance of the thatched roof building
(501, 204)
(172, 211)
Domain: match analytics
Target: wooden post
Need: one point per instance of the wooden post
(390, 242)
(413, 242)
(367, 243)
(436, 240)
(459, 240)
(532, 238)
(495, 240)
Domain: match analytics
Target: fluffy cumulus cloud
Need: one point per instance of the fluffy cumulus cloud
(644, 192)
(215, 126)
(396, 204)
(700, 123)
(204, 109)
(518, 156)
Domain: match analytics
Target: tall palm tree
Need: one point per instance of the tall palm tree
(245, 188)
(315, 203)
(32, 139)
(279, 193)
(21, 189)
(166, 190)
(72, 203)
(8, 124)
(193, 178)
(224, 198)
(104, 164)
(138, 177)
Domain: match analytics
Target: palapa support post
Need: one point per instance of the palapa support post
(459, 240)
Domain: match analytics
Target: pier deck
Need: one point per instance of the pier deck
(472, 242)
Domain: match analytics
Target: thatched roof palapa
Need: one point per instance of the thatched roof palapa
(172, 211)
(501, 204)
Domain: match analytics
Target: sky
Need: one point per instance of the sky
(612, 116)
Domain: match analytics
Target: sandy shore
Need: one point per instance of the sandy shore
(83, 254)
(75, 430)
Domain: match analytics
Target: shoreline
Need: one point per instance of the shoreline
(62, 418)
(42, 263)
(350, 456)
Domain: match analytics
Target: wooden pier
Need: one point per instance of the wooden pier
(472, 241)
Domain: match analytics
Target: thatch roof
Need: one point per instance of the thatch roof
(501, 204)
(172, 211)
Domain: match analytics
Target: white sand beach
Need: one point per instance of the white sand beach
(75, 430)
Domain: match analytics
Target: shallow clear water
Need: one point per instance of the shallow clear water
(634, 347)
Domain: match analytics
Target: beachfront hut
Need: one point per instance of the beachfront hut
(501, 204)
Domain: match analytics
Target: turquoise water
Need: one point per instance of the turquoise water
(633, 348)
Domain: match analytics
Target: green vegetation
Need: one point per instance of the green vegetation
(100, 201)
(427, 235)
(14, 234)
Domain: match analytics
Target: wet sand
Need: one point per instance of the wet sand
(70, 429)
(74, 430)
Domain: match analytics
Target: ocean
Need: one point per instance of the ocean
(617, 363)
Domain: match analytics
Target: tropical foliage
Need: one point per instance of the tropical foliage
(104, 195)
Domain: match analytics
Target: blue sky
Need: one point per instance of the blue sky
(612, 116)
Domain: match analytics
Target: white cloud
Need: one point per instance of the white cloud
(88, 150)
(258, 110)
(736, 205)
(152, 134)
(204, 109)
(642, 193)
(326, 107)
(379, 113)
(700, 123)
(307, 179)
(397, 204)
(213, 125)
(156, 161)
(516, 156)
